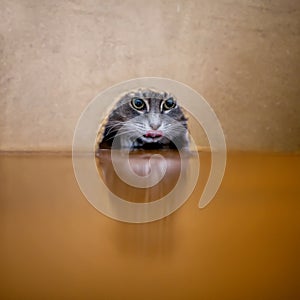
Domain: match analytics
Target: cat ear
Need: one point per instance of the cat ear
(102, 125)
(185, 113)
(100, 133)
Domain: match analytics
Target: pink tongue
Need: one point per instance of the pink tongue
(154, 133)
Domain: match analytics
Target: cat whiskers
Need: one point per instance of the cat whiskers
(115, 124)
(125, 132)
(172, 131)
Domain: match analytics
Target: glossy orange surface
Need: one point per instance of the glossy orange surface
(243, 245)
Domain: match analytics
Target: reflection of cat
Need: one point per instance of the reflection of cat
(140, 165)
(147, 119)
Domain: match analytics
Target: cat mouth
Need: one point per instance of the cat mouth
(153, 136)
(153, 133)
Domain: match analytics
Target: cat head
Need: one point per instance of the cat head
(146, 118)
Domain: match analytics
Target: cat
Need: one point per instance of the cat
(146, 119)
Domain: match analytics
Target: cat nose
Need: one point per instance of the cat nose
(154, 121)
(155, 124)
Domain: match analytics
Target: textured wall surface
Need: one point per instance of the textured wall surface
(241, 55)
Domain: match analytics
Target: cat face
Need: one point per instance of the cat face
(146, 119)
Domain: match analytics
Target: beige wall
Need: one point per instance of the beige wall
(241, 55)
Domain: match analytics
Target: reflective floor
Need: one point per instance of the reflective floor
(244, 245)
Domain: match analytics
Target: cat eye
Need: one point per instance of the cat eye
(169, 104)
(138, 103)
